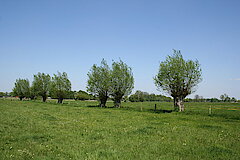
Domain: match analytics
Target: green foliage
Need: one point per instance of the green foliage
(116, 82)
(99, 82)
(178, 77)
(5, 94)
(122, 82)
(137, 97)
(32, 93)
(41, 85)
(60, 86)
(2, 94)
(140, 96)
(226, 98)
(22, 88)
(71, 95)
(82, 95)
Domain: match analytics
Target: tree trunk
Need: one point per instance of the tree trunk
(60, 100)
(180, 104)
(44, 98)
(20, 98)
(103, 102)
(176, 108)
(117, 103)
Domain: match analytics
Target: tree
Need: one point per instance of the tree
(32, 93)
(122, 82)
(2, 94)
(196, 97)
(178, 78)
(222, 97)
(138, 96)
(225, 98)
(233, 99)
(99, 82)
(41, 85)
(81, 95)
(60, 86)
(22, 88)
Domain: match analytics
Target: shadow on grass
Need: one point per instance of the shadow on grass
(97, 106)
(160, 111)
(225, 115)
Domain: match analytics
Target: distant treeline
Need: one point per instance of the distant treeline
(140, 96)
(80, 95)
(223, 98)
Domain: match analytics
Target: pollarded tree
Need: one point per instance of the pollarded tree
(21, 88)
(99, 82)
(32, 93)
(122, 82)
(41, 85)
(222, 97)
(178, 78)
(60, 86)
(225, 98)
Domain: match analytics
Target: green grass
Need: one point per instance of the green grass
(79, 130)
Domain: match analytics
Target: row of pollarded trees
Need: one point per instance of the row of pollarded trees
(176, 76)
(43, 85)
(115, 82)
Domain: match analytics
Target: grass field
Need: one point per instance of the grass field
(79, 130)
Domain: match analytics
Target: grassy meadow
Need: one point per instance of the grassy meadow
(80, 130)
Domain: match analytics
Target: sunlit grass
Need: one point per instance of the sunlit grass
(80, 130)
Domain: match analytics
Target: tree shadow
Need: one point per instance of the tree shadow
(160, 111)
(97, 106)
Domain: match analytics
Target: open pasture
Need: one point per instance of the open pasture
(80, 130)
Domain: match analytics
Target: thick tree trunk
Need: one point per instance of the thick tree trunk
(103, 102)
(60, 100)
(180, 105)
(117, 103)
(103, 99)
(176, 108)
(44, 98)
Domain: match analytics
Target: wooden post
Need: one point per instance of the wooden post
(210, 110)
(155, 108)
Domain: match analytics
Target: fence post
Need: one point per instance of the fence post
(155, 108)
(210, 110)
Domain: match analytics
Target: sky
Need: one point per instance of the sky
(71, 35)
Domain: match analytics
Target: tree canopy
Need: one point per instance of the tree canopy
(22, 88)
(178, 77)
(99, 82)
(60, 86)
(116, 82)
(122, 82)
(41, 85)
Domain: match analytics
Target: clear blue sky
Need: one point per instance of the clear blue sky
(72, 35)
